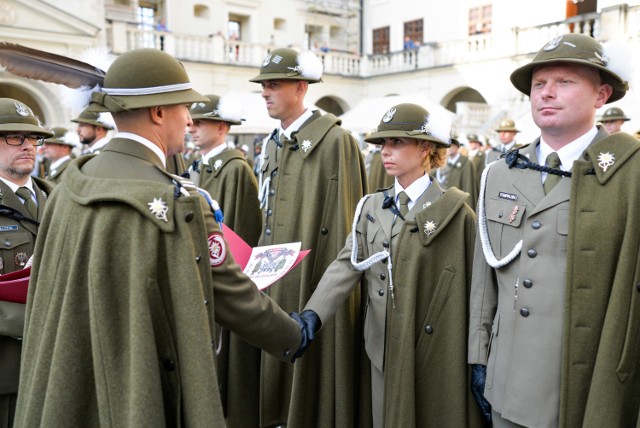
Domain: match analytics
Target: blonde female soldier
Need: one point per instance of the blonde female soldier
(413, 246)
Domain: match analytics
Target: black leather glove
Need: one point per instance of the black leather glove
(478, 377)
(309, 323)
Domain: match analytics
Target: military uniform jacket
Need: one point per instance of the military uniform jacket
(417, 334)
(229, 180)
(463, 175)
(18, 238)
(315, 182)
(55, 176)
(116, 334)
(569, 343)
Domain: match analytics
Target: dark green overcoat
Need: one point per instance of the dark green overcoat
(122, 300)
(316, 181)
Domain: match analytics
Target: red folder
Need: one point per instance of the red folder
(13, 286)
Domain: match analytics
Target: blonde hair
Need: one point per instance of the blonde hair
(436, 157)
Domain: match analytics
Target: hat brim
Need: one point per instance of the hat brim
(25, 127)
(612, 118)
(134, 102)
(215, 119)
(378, 137)
(521, 77)
(92, 122)
(282, 76)
(507, 130)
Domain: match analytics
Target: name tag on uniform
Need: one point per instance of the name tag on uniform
(509, 196)
(8, 228)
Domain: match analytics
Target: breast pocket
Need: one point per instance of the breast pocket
(17, 247)
(503, 220)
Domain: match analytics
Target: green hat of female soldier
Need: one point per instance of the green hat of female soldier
(412, 121)
(219, 109)
(15, 116)
(610, 60)
(144, 78)
(289, 64)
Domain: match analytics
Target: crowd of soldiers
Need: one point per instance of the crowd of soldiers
(449, 284)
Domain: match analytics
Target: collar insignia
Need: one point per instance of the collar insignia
(217, 164)
(306, 145)
(426, 204)
(430, 227)
(605, 160)
(159, 208)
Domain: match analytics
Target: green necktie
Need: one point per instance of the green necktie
(25, 194)
(403, 198)
(553, 161)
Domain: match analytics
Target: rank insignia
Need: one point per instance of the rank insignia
(217, 249)
(605, 160)
(306, 145)
(21, 259)
(159, 208)
(217, 164)
(430, 227)
(389, 115)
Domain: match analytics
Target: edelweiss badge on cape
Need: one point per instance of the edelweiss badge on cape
(430, 227)
(217, 164)
(426, 204)
(389, 115)
(605, 160)
(217, 249)
(159, 209)
(306, 145)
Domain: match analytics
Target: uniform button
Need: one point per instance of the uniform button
(206, 302)
(169, 365)
(324, 231)
(287, 352)
(7, 243)
(274, 172)
(527, 283)
(269, 212)
(500, 214)
(385, 243)
(188, 217)
(381, 292)
(272, 192)
(524, 312)
(536, 225)
(267, 232)
(383, 276)
(198, 258)
(428, 329)
(532, 253)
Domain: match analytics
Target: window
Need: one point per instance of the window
(480, 20)
(381, 40)
(233, 30)
(413, 32)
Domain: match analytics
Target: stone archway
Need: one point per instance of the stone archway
(463, 94)
(332, 104)
(42, 98)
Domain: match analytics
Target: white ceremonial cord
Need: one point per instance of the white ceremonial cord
(484, 232)
(262, 186)
(365, 264)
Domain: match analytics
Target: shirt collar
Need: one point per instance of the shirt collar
(452, 161)
(147, 143)
(59, 162)
(214, 152)
(415, 189)
(296, 124)
(13, 186)
(570, 152)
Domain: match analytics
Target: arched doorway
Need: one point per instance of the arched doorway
(41, 97)
(332, 104)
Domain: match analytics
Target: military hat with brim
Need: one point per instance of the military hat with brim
(15, 116)
(289, 64)
(572, 49)
(217, 109)
(92, 118)
(58, 137)
(473, 138)
(507, 125)
(410, 121)
(613, 113)
(144, 78)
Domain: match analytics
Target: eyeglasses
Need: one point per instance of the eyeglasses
(18, 140)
